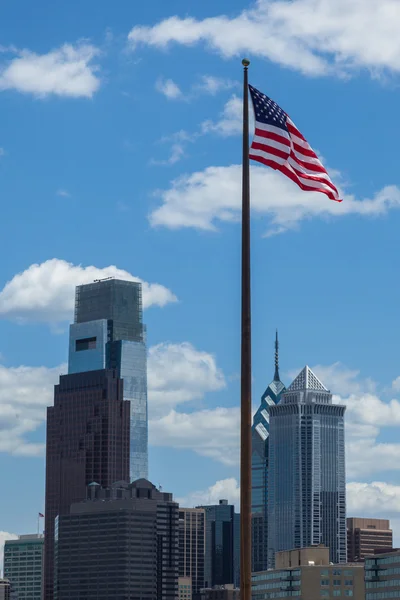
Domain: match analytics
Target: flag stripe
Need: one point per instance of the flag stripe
(272, 134)
(272, 144)
(270, 150)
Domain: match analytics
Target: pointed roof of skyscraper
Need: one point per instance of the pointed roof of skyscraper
(306, 380)
(276, 376)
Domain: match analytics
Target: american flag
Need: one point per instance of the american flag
(279, 144)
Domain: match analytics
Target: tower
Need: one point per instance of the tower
(192, 546)
(259, 468)
(307, 492)
(87, 441)
(108, 332)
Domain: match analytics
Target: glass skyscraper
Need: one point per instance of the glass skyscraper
(307, 488)
(259, 468)
(108, 333)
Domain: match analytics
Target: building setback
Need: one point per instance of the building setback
(307, 573)
(122, 542)
(192, 546)
(23, 566)
(259, 469)
(382, 576)
(108, 333)
(307, 487)
(365, 536)
(222, 545)
(87, 440)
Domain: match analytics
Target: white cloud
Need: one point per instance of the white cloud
(45, 292)
(63, 193)
(25, 392)
(177, 151)
(224, 489)
(203, 198)
(180, 373)
(316, 37)
(213, 85)
(2, 152)
(213, 433)
(231, 121)
(65, 71)
(5, 536)
(168, 88)
(372, 499)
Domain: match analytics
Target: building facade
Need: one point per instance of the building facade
(23, 566)
(308, 575)
(87, 440)
(259, 469)
(108, 332)
(221, 592)
(307, 491)
(122, 542)
(185, 588)
(5, 589)
(222, 545)
(365, 536)
(382, 576)
(192, 546)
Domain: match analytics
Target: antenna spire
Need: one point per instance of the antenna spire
(276, 376)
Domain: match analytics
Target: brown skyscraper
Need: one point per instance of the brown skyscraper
(364, 536)
(87, 441)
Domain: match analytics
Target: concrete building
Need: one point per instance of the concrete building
(122, 542)
(382, 576)
(185, 588)
(5, 589)
(259, 469)
(365, 536)
(307, 574)
(23, 566)
(192, 546)
(307, 483)
(220, 592)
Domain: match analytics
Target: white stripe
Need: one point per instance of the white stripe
(308, 159)
(268, 142)
(314, 184)
(296, 165)
(266, 156)
(277, 130)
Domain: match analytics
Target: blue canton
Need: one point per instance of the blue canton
(267, 111)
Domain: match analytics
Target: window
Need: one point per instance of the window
(337, 572)
(325, 593)
(324, 572)
(348, 582)
(337, 593)
(85, 344)
(324, 581)
(348, 593)
(337, 582)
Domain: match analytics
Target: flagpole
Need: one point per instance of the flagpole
(245, 396)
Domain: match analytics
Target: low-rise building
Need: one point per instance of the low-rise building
(382, 576)
(185, 588)
(306, 573)
(365, 536)
(221, 592)
(23, 566)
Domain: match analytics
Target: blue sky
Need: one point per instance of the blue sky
(120, 154)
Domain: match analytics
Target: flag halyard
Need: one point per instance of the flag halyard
(278, 143)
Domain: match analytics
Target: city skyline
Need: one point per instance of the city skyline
(87, 197)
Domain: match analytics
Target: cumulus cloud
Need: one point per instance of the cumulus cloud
(213, 433)
(63, 193)
(203, 199)
(231, 119)
(168, 88)
(25, 392)
(66, 71)
(213, 85)
(179, 373)
(5, 536)
(315, 37)
(45, 292)
(227, 489)
(177, 151)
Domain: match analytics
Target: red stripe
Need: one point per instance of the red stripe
(304, 151)
(272, 136)
(314, 178)
(309, 165)
(270, 150)
(265, 161)
(294, 130)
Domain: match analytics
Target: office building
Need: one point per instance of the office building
(259, 469)
(222, 545)
(307, 491)
(5, 589)
(382, 576)
(192, 546)
(221, 592)
(87, 440)
(366, 536)
(108, 333)
(307, 574)
(23, 566)
(122, 542)
(184, 588)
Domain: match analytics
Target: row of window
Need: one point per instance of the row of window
(336, 593)
(337, 582)
(381, 595)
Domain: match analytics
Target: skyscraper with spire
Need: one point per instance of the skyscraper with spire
(259, 468)
(307, 484)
